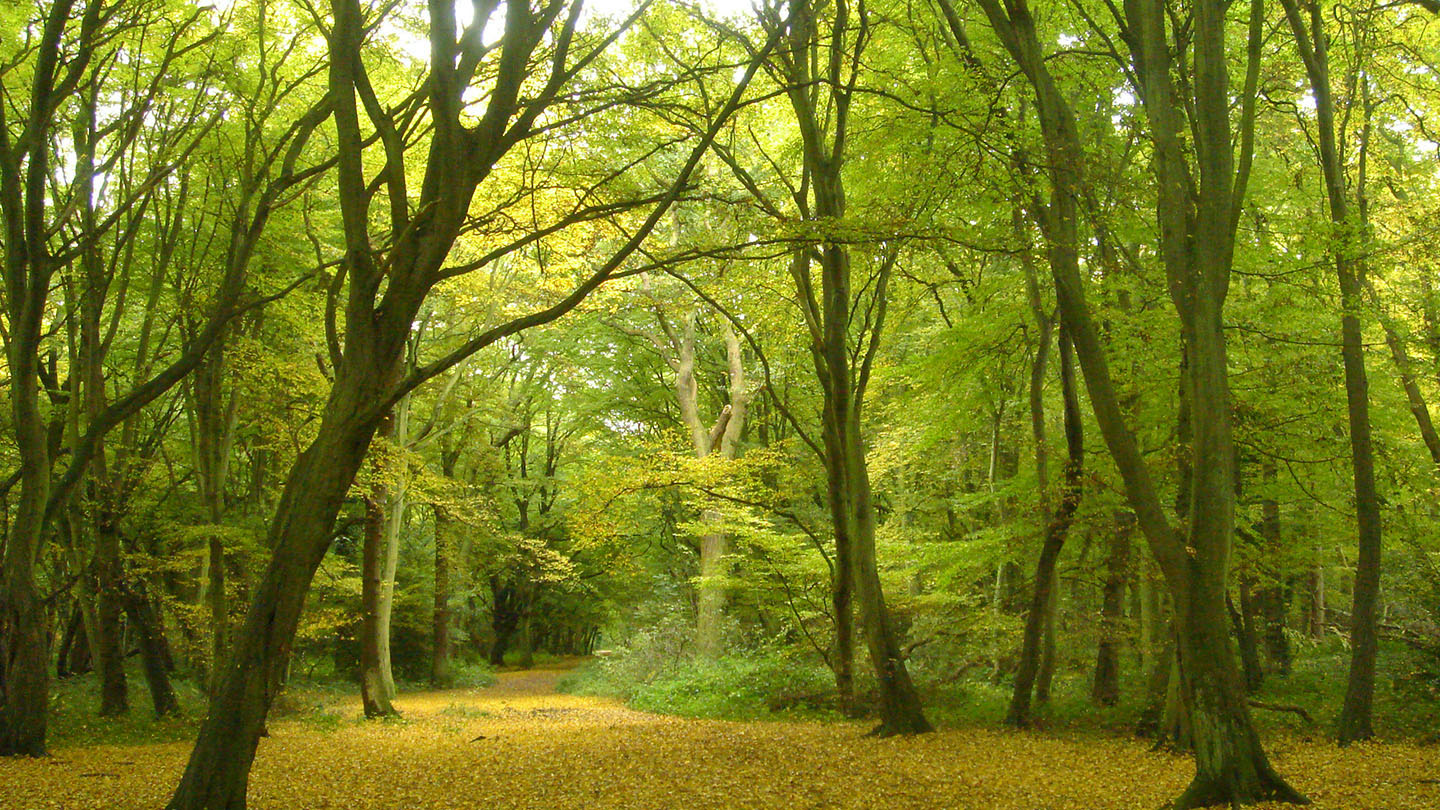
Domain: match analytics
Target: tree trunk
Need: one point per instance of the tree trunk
(1039, 639)
(841, 597)
(1315, 602)
(505, 610)
(710, 602)
(154, 655)
(1273, 598)
(1151, 722)
(440, 675)
(1105, 690)
(395, 504)
(109, 611)
(1244, 626)
(73, 636)
(1312, 42)
(218, 773)
(373, 692)
(219, 612)
(24, 643)
(900, 711)
(1045, 675)
(385, 610)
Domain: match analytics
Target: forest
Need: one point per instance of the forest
(705, 403)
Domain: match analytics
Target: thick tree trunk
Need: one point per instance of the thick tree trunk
(24, 642)
(1230, 763)
(710, 602)
(109, 612)
(218, 773)
(900, 710)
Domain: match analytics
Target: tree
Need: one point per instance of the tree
(1197, 212)
(383, 297)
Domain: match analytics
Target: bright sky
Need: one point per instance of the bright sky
(419, 48)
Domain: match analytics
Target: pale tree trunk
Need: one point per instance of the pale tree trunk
(440, 674)
(375, 694)
(395, 506)
(678, 348)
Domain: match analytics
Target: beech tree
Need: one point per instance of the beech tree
(385, 288)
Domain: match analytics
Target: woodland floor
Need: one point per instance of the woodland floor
(519, 744)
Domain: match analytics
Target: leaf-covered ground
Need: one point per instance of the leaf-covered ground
(520, 745)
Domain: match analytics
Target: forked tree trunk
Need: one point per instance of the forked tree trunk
(1196, 224)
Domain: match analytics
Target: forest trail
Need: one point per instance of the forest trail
(520, 744)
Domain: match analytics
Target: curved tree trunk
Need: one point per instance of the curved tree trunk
(1197, 226)
(218, 772)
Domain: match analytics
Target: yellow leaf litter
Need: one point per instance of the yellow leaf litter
(521, 745)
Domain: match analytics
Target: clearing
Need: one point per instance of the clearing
(519, 744)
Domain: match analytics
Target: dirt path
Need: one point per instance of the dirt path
(519, 744)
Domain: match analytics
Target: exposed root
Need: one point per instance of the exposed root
(1227, 793)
